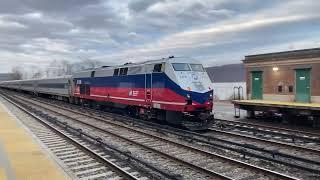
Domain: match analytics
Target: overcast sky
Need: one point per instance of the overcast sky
(35, 32)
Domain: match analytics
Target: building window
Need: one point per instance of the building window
(280, 89)
(290, 89)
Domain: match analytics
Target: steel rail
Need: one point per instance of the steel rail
(293, 131)
(266, 141)
(210, 139)
(163, 139)
(108, 163)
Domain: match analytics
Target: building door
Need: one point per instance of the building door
(256, 85)
(303, 85)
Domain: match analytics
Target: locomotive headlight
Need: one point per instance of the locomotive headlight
(211, 96)
(189, 100)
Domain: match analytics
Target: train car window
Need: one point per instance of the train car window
(157, 68)
(290, 89)
(116, 72)
(123, 71)
(181, 67)
(82, 88)
(197, 67)
(57, 86)
(280, 89)
(92, 73)
(27, 85)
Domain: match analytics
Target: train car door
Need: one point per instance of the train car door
(303, 85)
(84, 89)
(257, 86)
(70, 87)
(148, 84)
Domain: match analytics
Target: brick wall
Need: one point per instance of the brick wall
(284, 77)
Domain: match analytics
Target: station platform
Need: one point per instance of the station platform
(279, 104)
(21, 156)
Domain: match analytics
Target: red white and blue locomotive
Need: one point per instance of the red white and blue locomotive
(176, 90)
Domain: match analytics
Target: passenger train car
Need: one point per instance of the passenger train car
(176, 90)
(58, 88)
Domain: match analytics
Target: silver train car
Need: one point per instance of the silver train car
(58, 88)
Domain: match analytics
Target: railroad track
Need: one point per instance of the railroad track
(244, 149)
(82, 156)
(313, 151)
(286, 135)
(179, 158)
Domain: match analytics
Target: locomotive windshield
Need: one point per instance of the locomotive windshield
(197, 67)
(181, 67)
(186, 67)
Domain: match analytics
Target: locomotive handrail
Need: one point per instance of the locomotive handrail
(237, 95)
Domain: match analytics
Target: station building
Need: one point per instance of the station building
(284, 76)
(283, 82)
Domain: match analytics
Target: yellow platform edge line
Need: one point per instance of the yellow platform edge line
(3, 175)
(27, 159)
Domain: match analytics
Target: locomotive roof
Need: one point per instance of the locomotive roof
(170, 59)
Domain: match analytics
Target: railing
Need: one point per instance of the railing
(237, 95)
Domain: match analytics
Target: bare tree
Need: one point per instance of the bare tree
(87, 63)
(34, 72)
(58, 68)
(17, 72)
(37, 75)
(55, 68)
(66, 67)
(47, 72)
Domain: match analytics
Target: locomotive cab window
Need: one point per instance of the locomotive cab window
(116, 72)
(123, 71)
(157, 68)
(197, 67)
(181, 67)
